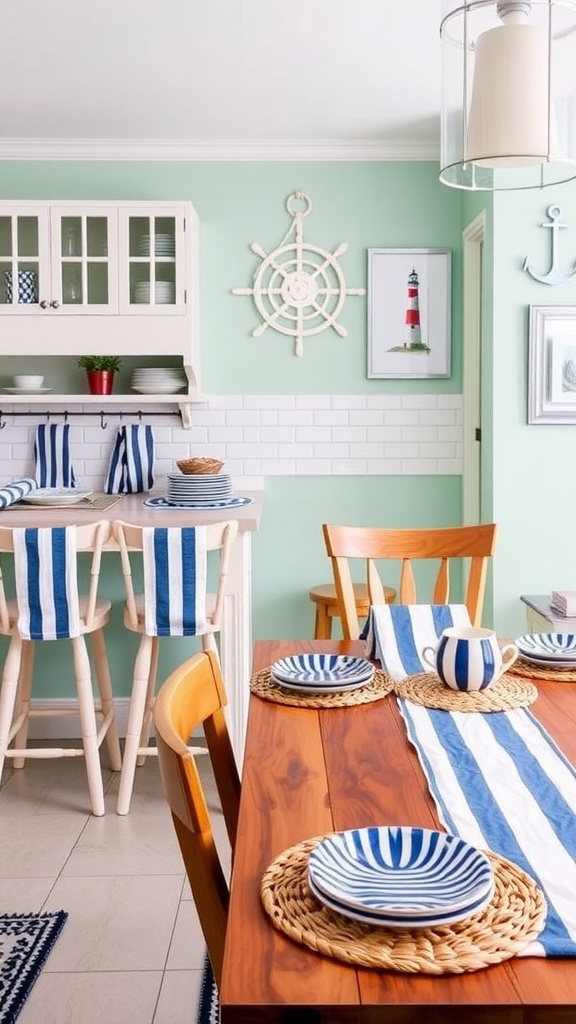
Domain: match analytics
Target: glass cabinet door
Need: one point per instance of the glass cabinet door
(24, 261)
(83, 257)
(151, 270)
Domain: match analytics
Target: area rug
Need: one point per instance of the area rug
(209, 1005)
(25, 942)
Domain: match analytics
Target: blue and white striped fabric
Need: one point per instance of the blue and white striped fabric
(175, 579)
(500, 782)
(396, 634)
(46, 582)
(16, 490)
(52, 454)
(131, 466)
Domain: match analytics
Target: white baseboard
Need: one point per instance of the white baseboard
(53, 727)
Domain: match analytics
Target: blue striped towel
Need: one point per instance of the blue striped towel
(396, 634)
(46, 582)
(175, 578)
(16, 490)
(52, 454)
(500, 782)
(131, 466)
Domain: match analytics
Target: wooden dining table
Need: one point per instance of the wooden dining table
(308, 772)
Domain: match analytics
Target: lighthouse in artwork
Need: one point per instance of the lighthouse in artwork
(412, 337)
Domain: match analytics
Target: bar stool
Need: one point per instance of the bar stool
(47, 607)
(174, 602)
(326, 601)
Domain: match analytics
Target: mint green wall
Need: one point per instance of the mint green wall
(367, 205)
(534, 467)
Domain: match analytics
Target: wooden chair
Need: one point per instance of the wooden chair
(194, 695)
(218, 537)
(372, 544)
(43, 564)
(325, 598)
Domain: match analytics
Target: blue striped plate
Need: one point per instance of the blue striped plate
(326, 669)
(400, 871)
(561, 646)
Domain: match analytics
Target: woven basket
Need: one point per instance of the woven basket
(199, 466)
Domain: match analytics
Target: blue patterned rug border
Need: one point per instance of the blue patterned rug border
(209, 1004)
(17, 978)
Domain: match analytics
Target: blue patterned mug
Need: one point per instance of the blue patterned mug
(468, 658)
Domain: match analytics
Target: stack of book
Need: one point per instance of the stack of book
(564, 602)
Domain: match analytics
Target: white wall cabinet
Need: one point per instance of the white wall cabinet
(90, 278)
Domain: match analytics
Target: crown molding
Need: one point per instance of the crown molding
(218, 150)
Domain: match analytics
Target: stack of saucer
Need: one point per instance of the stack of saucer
(201, 489)
(164, 245)
(158, 380)
(164, 292)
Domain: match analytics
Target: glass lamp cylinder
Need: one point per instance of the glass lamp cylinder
(508, 117)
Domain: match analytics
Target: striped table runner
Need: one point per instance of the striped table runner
(396, 634)
(500, 782)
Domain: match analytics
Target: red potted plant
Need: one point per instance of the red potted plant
(100, 372)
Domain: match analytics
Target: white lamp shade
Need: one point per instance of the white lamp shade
(509, 110)
(508, 115)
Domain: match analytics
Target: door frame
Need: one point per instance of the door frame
(473, 238)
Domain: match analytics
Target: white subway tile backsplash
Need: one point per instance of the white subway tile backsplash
(271, 435)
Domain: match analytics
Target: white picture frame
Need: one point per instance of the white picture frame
(397, 347)
(552, 365)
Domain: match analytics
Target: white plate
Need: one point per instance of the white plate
(400, 870)
(27, 391)
(314, 689)
(549, 663)
(326, 669)
(200, 506)
(55, 496)
(389, 921)
(561, 646)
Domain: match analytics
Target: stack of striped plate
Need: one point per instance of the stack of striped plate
(201, 489)
(399, 876)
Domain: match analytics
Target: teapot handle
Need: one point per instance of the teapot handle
(509, 654)
(426, 651)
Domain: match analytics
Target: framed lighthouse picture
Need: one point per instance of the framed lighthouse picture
(409, 300)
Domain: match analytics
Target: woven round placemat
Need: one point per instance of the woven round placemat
(525, 670)
(506, 693)
(512, 919)
(265, 687)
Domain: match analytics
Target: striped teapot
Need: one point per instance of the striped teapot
(469, 658)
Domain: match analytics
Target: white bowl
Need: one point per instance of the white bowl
(29, 381)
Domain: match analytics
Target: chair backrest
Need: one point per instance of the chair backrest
(216, 537)
(194, 695)
(89, 538)
(372, 544)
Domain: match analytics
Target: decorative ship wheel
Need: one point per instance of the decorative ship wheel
(299, 289)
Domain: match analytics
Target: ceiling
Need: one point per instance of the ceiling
(202, 78)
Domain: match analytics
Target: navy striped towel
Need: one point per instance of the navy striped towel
(16, 490)
(396, 634)
(500, 782)
(131, 466)
(46, 582)
(175, 578)
(52, 454)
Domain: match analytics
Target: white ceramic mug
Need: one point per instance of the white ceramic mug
(468, 658)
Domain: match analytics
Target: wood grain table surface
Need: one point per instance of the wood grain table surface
(309, 772)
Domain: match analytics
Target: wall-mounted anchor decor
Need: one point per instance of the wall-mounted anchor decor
(299, 289)
(554, 275)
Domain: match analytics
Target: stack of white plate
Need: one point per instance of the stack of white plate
(400, 876)
(321, 673)
(548, 650)
(164, 292)
(158, 380)
(164, 245)
(201, 489)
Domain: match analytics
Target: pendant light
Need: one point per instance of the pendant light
(508, 118)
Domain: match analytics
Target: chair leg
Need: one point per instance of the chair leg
(150, 698)
(104, 684)
(323, 624)
(88, 724)
(23, 699)
(8, 694)
(142, 668)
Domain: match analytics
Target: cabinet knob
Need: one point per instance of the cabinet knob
(44, 304)
(55, 304)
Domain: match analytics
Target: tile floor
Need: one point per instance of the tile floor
(131, 951)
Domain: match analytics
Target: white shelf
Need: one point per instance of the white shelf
(181, 402)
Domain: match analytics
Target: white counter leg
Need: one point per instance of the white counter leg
(236, 640)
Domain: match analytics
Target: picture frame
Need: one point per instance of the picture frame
(409, 313)
(552, 365)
